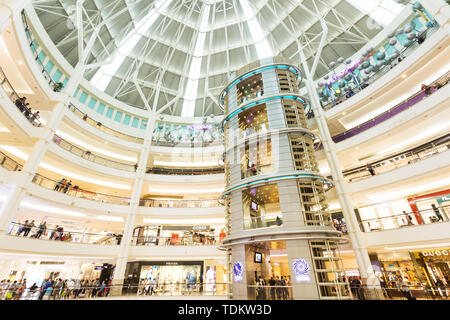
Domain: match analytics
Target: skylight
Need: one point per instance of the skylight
(382, 11)
(263, 48)
(104, 75)
(190, 93)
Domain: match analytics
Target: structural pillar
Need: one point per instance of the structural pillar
(122, 259)
(362, 257)
(17, 193)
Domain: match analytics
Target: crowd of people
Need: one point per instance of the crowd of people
(38, 231)
(24, 107)
(275, 288)
(54, 289)
(65, 186)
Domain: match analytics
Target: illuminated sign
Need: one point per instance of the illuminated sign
(433, 253)
(301, 270)
(238, 270)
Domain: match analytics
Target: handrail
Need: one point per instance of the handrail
(81, 193)
(381, 71)
(177, 241)
(100, 126)
(402, 106)
(406, 219)
(101, 197)
(179, 203)
(90, 156)
(63, 235)
(14, 97)
(412, 155)
(183, 171)
(9, 163)
(45, 73)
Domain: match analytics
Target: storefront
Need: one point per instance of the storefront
(434, 265)
(423, 204)
(164, 277)
(176, 235)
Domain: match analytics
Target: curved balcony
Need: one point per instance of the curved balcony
(59, 234)
(385, 68)
(87, 155)
(180, 203)
(9, 164)
(400, 107)
(399, 160)
(31, 117)
(406, 219)
(100, 126)
(79, 192)
(181, 171)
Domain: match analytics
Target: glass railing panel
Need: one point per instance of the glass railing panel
(261, 222)
(57, 233)
(80, 193)
(8, 163)
(259, 292)
(180, 203)
(193, 240)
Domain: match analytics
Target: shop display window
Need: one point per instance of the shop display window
(249, 89)
(256, 158)
(261, 207)
(253, 121)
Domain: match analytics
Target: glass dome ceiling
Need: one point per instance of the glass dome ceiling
(186, 49)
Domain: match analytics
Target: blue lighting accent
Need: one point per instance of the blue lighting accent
(245, 76)
(277, 179)
(260, 102)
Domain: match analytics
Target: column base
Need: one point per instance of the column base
(116, 287)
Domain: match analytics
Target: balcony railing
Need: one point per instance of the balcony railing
(59, 234)
(399, 160)
(381, 71)
(406, 219)
(180, 203)
(177, 241)
(400, 107)
(179, 171)
(9, 164)
(261, 222)
(101, 127)
(257, 170)
(80, 193)
(92, 157)
(14, 97)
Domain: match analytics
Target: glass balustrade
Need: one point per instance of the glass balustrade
(180, 203)
(400, 160)
(8, 163)
(92, 157)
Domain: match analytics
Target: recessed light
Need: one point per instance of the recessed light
(404, 76)
(20, 62)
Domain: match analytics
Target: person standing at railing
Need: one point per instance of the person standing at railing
(28, 228)
(67, 186)
(22, 228)
(41, 230)
(59, 184)
(437, 213)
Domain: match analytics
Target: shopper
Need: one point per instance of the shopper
(59, 184)
(53, 233)
(279, 221)
(29, 227)
(272, 288)
(31, 291)
(21, 228)
(41, 230)
(437, 213)
(371, 170)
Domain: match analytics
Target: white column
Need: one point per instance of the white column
(23, 178)
(440, 11)
(362, 257)
(7, 10)
(122, 259)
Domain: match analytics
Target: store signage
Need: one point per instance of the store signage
(344, 72)
(433, 253)
(301, 270)
(238, 270)
(200, 228)
(171, 263)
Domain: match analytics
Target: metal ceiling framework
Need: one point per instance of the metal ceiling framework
(156, 70)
